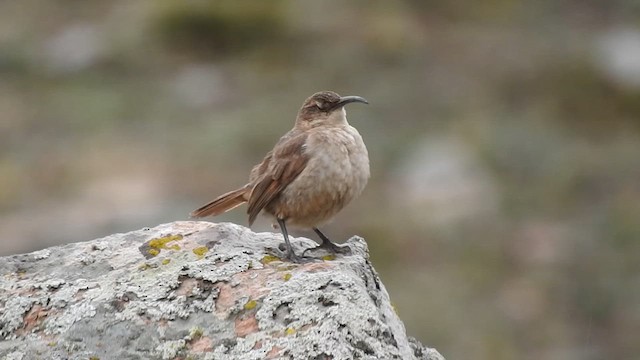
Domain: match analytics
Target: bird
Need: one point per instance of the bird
(312, 172)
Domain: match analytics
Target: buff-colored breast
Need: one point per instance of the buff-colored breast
(336, 173)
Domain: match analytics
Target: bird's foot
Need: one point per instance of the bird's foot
(331, 248)
(283, 253)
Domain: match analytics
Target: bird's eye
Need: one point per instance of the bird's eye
(320, 105)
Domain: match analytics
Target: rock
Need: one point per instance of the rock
(196, 290)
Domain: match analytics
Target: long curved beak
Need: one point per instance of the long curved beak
(351, 99)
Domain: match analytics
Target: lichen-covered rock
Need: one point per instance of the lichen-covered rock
(196, 290)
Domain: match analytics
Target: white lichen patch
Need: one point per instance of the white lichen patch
(62, 323)
(16, 355)
(11, 315)
(41, 254)
(170, 349)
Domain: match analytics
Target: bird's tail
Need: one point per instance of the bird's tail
(223, 203)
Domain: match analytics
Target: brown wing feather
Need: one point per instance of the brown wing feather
(285, 163)
(261, 168)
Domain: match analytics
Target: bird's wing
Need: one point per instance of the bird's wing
(258, 171)
(279, 168)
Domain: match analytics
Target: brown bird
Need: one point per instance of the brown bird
(313, 171)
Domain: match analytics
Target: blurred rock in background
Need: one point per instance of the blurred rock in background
(504, 138)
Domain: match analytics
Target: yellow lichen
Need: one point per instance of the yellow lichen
(290, 331)
(94, 358)
(250, 305)
(161, 243)
(200, 251)
(52, 344)
(287, 276)
(165, 261)
(157, 244)
(329, 257)
(144, 267)
(196, 333)
(268, 259)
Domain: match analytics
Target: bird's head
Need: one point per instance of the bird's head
(325, 108)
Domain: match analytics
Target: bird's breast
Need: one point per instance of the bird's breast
(337, 172)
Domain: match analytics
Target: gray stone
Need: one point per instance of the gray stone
(196, 290)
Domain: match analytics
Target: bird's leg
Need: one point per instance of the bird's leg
(328, 245)
(290, 254)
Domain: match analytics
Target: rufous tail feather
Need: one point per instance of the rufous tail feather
(222, 203)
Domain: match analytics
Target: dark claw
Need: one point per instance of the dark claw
(299, 259)
(291, 255)
(330, 248)
(283, 254)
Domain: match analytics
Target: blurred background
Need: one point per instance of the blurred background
(503, 212)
